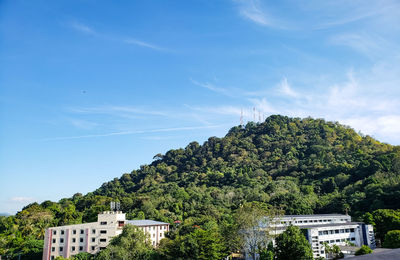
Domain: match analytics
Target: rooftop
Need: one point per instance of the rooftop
(145, 222)
(315, 215)
(332, 225)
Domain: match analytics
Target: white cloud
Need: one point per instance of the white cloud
(127, 40)
(82, 28)
(211, 87)
(143, 44)
(160, 130)
(286, 90)
(22, 199)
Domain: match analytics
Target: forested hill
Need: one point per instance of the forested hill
(301, 166)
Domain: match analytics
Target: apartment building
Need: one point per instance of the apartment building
(333, 229)
(92, 237)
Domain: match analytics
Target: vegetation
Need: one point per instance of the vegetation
(363, 250)
(301, 166)
(292, 244)
(392, 239)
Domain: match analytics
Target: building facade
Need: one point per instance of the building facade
(92, 237)
(332, 229)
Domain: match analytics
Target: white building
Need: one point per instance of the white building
(92, 237)
(333, 229)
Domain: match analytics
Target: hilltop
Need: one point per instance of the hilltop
(301, 166)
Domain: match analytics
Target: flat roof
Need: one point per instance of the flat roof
(145, 222)
(332, 224)
(315, 215)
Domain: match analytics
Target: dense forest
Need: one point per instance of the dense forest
(300, 166)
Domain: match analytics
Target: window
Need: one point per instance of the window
(81, 239)
(121, 223)
(320, 220)
(93, 239)
(73, 240)
(154, 243)
(82, 231)
(154, 235)
(351, 229)
(103, 223)
(93, 248)
(61, 240)
(53, 249)
(337, 231)
(93, 231)
(103, 240)
(353, 238)
(103, 231)
(62, 232)
(160, 234)
(52, 257)
(101, 248)
(81, 248)
(337, 240)
(74, 231)
(320, 233)
(72, 248)
(154, 228)
(54, 240)
(347, 230)
(61, 249)
(332, 241)
(54, 232)
(342, 231)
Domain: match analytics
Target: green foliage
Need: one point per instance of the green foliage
(363, 250)
(384, 220)
(193, 242)
(131, 244)
(292, 244)
(301, 166)
(392, 239)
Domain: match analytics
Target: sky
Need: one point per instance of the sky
(90, 90)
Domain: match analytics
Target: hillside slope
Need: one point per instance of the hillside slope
(301, 166)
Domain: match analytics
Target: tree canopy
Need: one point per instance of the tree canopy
(301, 166)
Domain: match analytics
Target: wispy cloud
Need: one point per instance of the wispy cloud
(22, 199)
(255, 11)
(286, 90)
(127, 40)
(160, 130)
(121, 111)
(211, 87)
(143, 44)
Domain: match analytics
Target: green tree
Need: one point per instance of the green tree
(253, 226)
(364, 250)
(392, 239)
(292, 244)
(131, 244)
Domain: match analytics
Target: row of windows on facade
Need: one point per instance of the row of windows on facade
(80, 240)
(310, 221)
(93, 239)
(82, 231)
(336, 231)
(73, 248)
(316, 248)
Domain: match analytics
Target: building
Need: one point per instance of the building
(333, 229)
(92, 237)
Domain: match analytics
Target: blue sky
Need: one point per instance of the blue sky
(90, 90)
